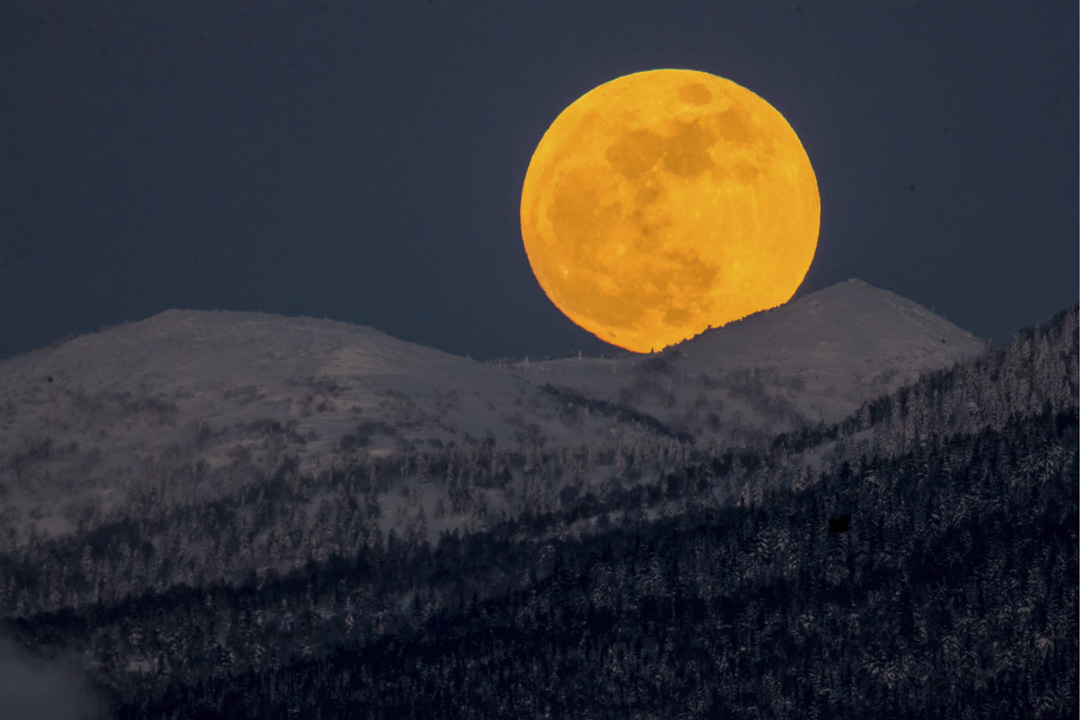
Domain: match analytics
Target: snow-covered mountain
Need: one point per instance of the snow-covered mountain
(186, 396)
(815, 359)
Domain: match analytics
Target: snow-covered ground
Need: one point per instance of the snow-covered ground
(816, 359)
(167, 400)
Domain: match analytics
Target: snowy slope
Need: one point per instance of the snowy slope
(816, 359)
(178, 398)
(224, 368)
(243, 389)
(192, 399)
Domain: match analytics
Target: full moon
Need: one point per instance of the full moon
(666, 202)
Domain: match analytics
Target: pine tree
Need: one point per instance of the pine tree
(371, 500)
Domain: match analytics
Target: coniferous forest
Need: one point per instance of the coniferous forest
(693, 582)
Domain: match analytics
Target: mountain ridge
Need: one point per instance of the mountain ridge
(318, 592)
(207, 395)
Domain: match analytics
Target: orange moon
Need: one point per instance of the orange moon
(665, 202)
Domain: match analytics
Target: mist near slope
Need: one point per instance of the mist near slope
(33, 687)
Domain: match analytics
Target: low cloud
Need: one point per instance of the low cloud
(32, 687)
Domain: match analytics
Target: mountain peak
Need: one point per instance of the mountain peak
(832, 349)
(851, 315)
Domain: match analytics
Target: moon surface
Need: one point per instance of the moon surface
(666, 202)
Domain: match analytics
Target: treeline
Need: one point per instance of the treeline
(280, 523)
(954, 593)
(1037, 368)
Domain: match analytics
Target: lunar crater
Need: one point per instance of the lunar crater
(695, 94)
(635, 153)
(686, 152)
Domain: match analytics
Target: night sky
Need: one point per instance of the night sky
(363, 161)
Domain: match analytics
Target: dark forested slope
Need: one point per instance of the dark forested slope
(716, 588)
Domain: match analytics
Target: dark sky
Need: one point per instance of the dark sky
(363, 161)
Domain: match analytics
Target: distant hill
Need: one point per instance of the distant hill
(204, 400)
(812, 360)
